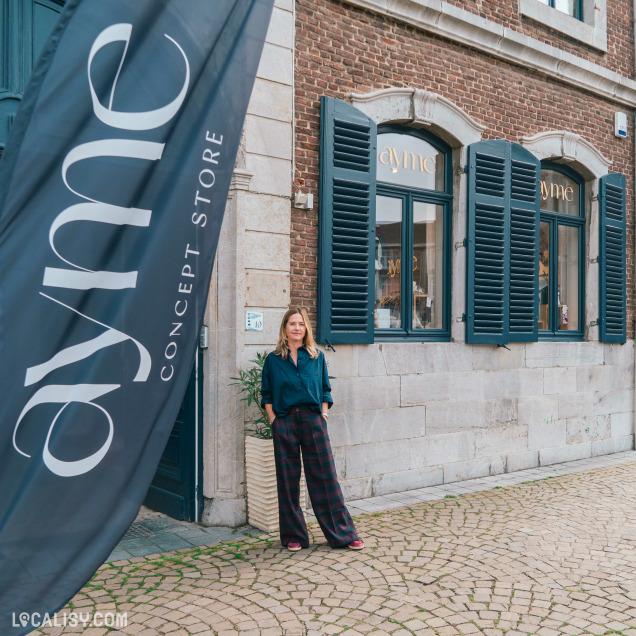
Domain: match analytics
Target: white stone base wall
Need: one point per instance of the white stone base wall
(414, 415)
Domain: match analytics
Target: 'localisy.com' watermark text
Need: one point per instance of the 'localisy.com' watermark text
(72, 619)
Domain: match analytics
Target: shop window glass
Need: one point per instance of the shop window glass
(568, 278)
(571, 7)
(388, 260)
(428, 254)
(544, 275)
(412, 234)
(410, 161)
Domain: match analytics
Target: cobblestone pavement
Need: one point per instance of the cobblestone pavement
(548, 557)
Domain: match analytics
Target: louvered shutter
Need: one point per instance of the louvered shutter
(612, 274)
(525, 204)
(346, 224)
(488, 242)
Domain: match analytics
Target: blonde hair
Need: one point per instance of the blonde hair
(282, 348)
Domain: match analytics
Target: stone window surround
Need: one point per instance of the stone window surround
(592, 30)
(469, 29)
(567, 148)
(562, 146)
(420, 108)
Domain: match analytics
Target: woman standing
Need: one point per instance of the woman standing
(296, 395)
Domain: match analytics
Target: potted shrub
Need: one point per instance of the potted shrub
(260, 466)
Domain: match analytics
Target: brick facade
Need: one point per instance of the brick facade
(619, 56)
(341, 49)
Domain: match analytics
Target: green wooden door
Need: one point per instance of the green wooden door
(176, 488)
(25, 26)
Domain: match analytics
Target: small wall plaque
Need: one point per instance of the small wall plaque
(253, 321)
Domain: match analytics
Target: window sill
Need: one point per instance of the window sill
(560, 337)
(592, 32)
(403, 337)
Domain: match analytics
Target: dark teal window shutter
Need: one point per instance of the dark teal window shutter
(525, 208)
(613, 273)
(346, 224)
(503, 243)
(487, 254)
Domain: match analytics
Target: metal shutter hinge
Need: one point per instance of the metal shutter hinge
(204, 340)
(461, 244)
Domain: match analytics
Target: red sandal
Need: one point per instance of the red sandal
(356, 545)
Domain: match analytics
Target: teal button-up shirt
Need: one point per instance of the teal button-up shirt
(286, 384)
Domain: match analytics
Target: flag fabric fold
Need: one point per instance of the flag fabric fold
(112, 193)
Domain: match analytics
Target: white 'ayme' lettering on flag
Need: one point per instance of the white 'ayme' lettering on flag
(82, 278)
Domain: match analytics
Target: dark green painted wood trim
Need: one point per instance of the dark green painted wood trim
(494, 196)
(174, 490)
(12, 74)
(562, 336)
(346, 213)
(431, 335)
(17, 27)
(525, 204)
(4, 38)
(200, 459)
(13, 36)
(502, 275)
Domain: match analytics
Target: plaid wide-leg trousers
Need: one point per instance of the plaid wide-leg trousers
(304, 430)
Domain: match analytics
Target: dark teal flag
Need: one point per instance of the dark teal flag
(112, 192)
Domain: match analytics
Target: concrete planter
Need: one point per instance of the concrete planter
(260, 472)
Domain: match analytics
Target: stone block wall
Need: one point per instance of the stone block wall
(251, 270)
(411, 416)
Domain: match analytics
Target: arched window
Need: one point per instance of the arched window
(412, 234)
(561, 253)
